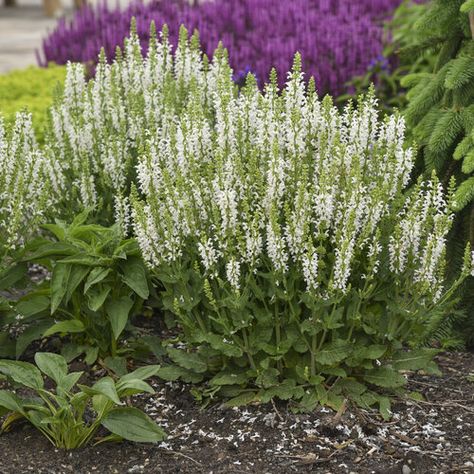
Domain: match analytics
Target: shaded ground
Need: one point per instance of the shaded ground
(432, 436)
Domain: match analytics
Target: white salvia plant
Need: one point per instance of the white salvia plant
(29, 183)
(283, 230)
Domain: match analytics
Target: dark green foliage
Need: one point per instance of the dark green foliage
(98, 282)
(441, 113)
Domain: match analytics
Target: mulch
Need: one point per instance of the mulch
(435, 435)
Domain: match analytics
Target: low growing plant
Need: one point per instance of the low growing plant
(292, 255)
(71, 414)
(98, 282)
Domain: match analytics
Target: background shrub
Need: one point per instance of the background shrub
(337, 39)
(31, 88)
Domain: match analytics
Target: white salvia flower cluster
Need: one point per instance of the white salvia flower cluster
(250, 181)
(263, 181)
(28, 183)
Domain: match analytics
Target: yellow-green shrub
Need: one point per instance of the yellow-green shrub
(30, 88)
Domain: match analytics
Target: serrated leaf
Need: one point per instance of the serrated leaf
(333, 352)
(385, 377)
(173, 372)
(413, 360)
(188, 360)
(229, 378)
(243, 399)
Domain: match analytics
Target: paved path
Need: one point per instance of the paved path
(21, 29)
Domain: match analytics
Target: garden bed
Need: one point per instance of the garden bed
(434, 435)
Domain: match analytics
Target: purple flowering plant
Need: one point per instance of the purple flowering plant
(337, 39)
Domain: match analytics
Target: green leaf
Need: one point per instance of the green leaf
(135, 277)
(173, 372)
(91, 355)
(12, 275)
(385, 377)
(333, 352)
(23, 373)
(133, 425)
(467, 6)
(118, 311)
(77, 274)
(243, 399)
(52, 365)
(117, 364)
(284, 391)
(32, 305)
(229, 378)
(142, 373)
(96, 276)
(10, 401)
(132, 387)
(413, 360)
(69, 380)
(30, 334)
(188, 360)
(372, 352)
(384, 407)
(96, 297)
(106, 387)
(72, 326)
(59, 283)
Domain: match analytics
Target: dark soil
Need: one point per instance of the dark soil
(431, 436)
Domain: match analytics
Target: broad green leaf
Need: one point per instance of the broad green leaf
(134, 275)
(413, 360)
(106, 387)
(117, 364)
(52, 249)
(385, 377)
(69, 380)
(284, 391)
(91, 355)
(229, 378)
(72, 326)
(52, 365)
(188, 360)
(142, 373)
(30, 334)
(32, 305)
(133, 425)
(23, 373)
(96, 297)
(243, 399)
(10, 401)
(12, 275)
(96, 276)
(133, 386)
(372, 352)
(333, 352)
(173, 372)
(77, 274)
(59, 282)
(118, 311)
